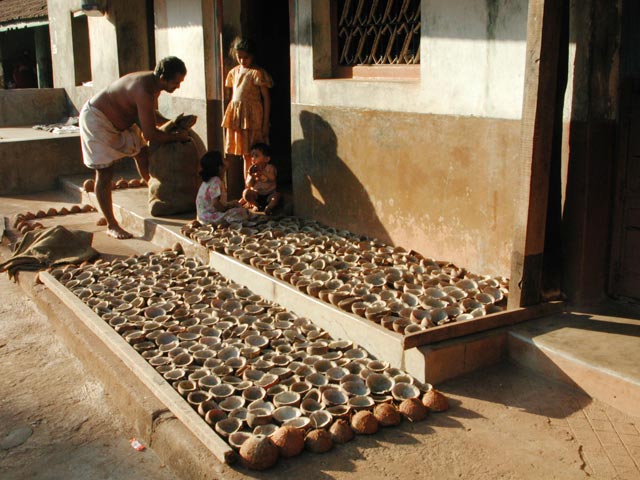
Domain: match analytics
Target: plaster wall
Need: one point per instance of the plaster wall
(447, 192)
(31, 106)
(188, 30)
(472, 61)
(103, 51)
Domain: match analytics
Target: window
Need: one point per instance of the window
(376, 38)
(81, 52)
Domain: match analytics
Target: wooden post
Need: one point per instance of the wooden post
(544, 28)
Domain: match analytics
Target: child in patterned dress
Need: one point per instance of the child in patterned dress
(246, 118)
(211, 202)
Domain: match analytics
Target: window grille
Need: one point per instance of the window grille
(378, 32)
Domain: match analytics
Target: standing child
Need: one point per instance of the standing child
(246, 118)
(260, 192)
(211, 202)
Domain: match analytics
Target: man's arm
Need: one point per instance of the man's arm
(147, 116)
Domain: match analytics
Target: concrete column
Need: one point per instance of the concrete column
(43, 56)
(544, 27)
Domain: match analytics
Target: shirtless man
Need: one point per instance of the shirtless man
(119, 121)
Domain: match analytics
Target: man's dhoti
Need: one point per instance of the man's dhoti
(102, 143)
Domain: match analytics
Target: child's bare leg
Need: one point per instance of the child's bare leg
(251, 199)
(142, 163)
(274, 198)
(104, 177)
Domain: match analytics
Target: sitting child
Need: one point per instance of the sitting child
(260, 192)
(211, 202)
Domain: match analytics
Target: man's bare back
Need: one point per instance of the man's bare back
(119, 101)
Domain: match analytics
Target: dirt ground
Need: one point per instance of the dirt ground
(505, 422)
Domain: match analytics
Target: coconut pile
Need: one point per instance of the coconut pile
(399, 289)
(269, 382)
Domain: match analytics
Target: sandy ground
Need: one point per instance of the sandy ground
(504, 423)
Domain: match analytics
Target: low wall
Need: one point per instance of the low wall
(34, 165)
(32, 106)
(441, 185)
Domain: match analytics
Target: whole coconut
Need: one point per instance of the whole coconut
(364, 423)
(318, 441)
(387, 415)
(89, 185)
(413, 410)
(435, 400)
(258, 453)
(289, 440)
(341, 432)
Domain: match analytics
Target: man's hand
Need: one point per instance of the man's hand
(182, 137)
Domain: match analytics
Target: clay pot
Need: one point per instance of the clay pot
(413, 410)
(318, 441)
(341, 432)
(364, 423)
(435, 400)
(88, 185)
(259, 453)
(387, 415)
(289, 440)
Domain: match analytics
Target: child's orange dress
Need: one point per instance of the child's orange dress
(244, 115)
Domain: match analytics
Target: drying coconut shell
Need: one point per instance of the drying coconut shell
(289, 440)
(177, 247)
(36, 225)
(341, 432)
(75, 209)
(89, 185)
(52, 212)
(413, 410)
(87, 208)
(29, 216)
(24, 228)
(435, 400)
(41, 214)
(364, 423)
(258, 453)
(122, 183)
(101, 222)
(387, 415)
(318, 441)
(63, 211)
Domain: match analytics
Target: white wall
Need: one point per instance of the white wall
(472, 62)
(179, 32)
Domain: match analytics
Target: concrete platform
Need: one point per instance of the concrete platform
(551, 344)
(595, 352)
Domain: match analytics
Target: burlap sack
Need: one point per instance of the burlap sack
(174, 181)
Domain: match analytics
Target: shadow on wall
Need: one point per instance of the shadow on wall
(324, 187)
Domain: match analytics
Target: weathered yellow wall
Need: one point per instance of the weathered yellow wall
(441, 185)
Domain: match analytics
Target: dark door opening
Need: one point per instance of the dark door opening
(267, 24)
(625, 259)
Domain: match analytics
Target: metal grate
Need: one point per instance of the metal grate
(378, 32)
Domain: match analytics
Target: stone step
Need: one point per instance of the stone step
(596, 353)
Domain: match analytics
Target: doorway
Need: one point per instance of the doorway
(267, 24)
(625, 259)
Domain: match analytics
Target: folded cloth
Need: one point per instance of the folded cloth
(40, 249)
(102, 142)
